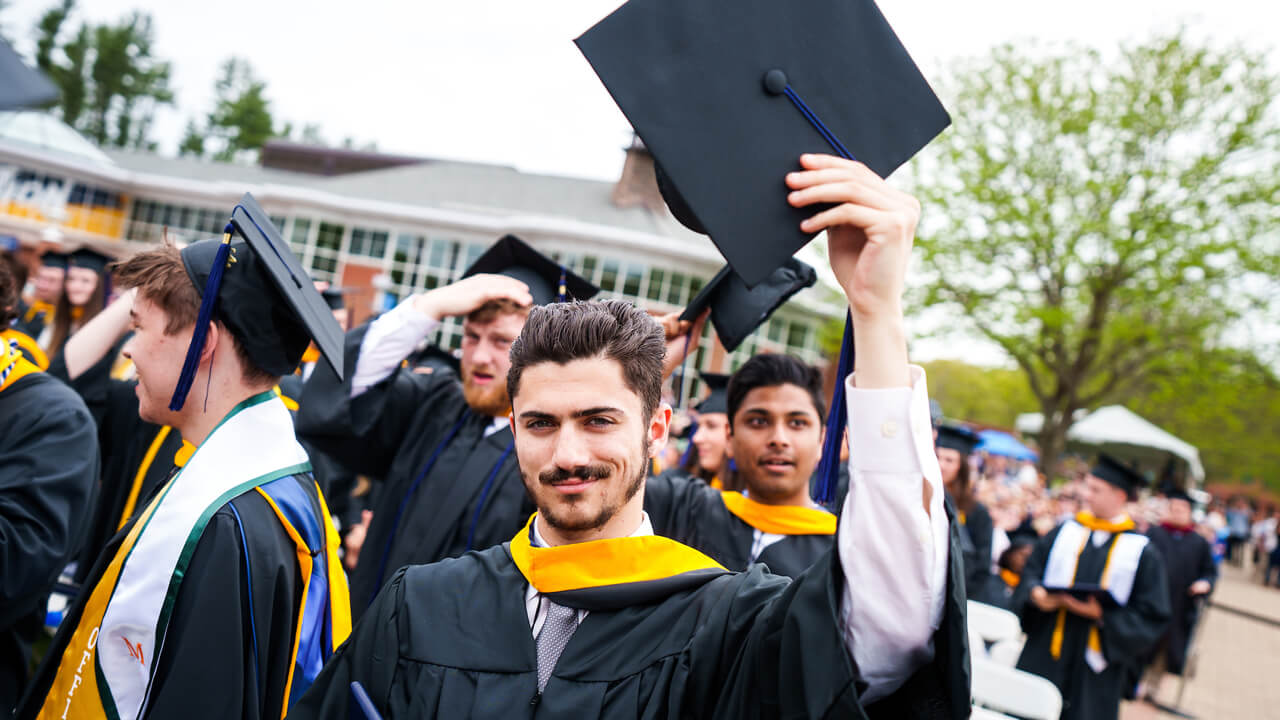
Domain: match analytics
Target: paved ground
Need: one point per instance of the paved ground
(1238, 671)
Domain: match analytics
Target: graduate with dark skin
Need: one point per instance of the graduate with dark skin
(683, 638)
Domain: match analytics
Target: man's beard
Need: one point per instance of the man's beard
(607, 509)
(491, 400)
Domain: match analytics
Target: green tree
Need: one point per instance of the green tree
(988, 396)
(1100, 218)
(111, 84)
(240, 122)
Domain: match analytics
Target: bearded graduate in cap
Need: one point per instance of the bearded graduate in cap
(1093, 598)
(223, 596)
(452, 483)
(776, 411)
(585, 613)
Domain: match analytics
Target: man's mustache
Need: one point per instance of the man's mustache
(581, 472)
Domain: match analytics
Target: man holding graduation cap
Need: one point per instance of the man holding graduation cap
(223, 597)
(1093, 597)
(452, 483)
(585, 613)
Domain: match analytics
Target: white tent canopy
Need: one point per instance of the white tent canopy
(1120, 429)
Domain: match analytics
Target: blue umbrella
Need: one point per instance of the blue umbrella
(1002, 443)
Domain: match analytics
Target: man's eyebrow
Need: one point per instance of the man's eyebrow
(535, 415)
(601, 410)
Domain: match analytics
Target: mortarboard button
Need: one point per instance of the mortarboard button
(775, 82)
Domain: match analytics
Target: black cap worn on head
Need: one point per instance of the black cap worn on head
(1178, 494)
(89, 259)
(727, 94)
(959, 438)
(253, 284)
(717, 399)
(1118, 474)
(736, 310)
(545, 277)
(55, 260)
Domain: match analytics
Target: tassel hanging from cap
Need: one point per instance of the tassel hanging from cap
(201, 332)
(829, 466)
(562, 293)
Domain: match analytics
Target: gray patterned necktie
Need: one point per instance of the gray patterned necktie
(557, 628)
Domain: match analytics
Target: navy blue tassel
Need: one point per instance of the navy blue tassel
(693, 430)
(564, 289)
(829, 466)
(201, 332)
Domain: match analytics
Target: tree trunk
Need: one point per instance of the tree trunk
(1053, 439)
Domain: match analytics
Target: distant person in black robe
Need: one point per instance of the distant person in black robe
(443, 447)
(1093, 598)
(1003, 584)
(223, 595)
(954, 446)
(584, 613)
(40, 310)
(1188, 561)
(775, 438)
(48, 466)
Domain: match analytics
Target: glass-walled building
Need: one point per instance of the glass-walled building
(383, 226)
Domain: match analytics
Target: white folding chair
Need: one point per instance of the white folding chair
(1006, 652)
(992, 623)
(977, 646)
(1006, 690)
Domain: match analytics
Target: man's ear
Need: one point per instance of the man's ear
(659, 428)
(214, 336)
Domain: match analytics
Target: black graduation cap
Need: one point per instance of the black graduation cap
(1023, 536)
(737, 310)
(717, 399)
(727, 94)
(547, 279)
(1177, 493)
(335, 297)
(1118, 474)
(89, 259)
(959, 438)
(55, 260)
(251, 281)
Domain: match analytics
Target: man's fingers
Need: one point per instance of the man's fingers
(846, 214)
(843, 192)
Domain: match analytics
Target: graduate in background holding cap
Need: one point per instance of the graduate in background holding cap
(707, 456)
(48, 467)
(451, 481)
(775, 410)
(1093, 598)
(954, 446)
(223, 596)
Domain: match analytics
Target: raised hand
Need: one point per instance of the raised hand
(675, 331)
(471, 293)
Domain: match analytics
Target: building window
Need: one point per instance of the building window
(369, 243)
(631, 283)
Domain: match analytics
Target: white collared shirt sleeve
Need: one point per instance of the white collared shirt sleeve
(894, 555)
(388, 341)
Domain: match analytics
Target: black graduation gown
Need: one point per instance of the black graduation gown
(453, 640)
(391, 431)
(207, 667)
(1187, 558)
(123, 440)
(1126, 632)
(689, 511)
(48, 465)
(978, 528)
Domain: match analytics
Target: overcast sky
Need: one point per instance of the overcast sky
(501, 80)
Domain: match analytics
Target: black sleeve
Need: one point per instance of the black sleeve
(1032, 577)
(1208, 569)
(363, 433)
(48, 470)
(370, 653)
(980, 532)
(223, 655)
(674, 501)
(1129, 631)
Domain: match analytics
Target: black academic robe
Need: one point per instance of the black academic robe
(1187, 558)
(48, 466)
(124, 440)
(976, 532)
(453, 640)
(391, 431)
(691, 512)
(224, 656)
(1126, 633)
